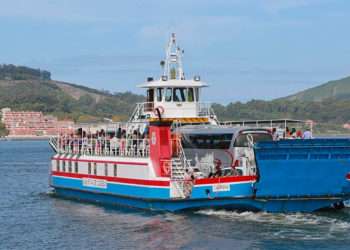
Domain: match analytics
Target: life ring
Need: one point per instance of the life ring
(158, 111)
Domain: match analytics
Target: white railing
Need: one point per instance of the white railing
(140, 110)
(204, 109)
(102, 147)
(143, 110)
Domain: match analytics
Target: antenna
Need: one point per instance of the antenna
(173, 60)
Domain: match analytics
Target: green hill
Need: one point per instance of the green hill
(327, 104)
(31, 91)
(339, 89)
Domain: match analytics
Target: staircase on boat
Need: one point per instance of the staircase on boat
(180, 186)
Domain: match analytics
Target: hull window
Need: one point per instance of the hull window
(70, 166)
(115, 170)
(89, 167)
(106, 169)
(95, 168)
(76, 170)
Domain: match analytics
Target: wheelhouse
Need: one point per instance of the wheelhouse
(173, 96)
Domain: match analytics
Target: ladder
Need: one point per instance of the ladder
(181, 188)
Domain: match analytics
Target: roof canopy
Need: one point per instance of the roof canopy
(173, 83)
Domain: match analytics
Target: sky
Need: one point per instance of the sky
(245, 49)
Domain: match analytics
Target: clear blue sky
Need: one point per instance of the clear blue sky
(245, 49)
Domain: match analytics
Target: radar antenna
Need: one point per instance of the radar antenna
(173, 61)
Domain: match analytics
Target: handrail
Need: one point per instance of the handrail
(102, 147)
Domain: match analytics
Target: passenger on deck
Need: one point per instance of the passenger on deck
(307, 134)
(287, 133)
(114, 145)
(218, 171)
(299, 134)
(274, 134)
(293, 133)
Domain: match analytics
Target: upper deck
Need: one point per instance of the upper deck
(172, 96)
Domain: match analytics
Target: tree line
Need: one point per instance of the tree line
(13, 72)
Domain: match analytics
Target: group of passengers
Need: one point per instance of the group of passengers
(122, 142)
(291, 134)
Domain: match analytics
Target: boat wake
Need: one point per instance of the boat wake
(288, 226)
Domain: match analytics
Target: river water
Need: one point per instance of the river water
(32, 219)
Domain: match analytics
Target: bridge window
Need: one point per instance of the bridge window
(168, 95)
(150, 95)
(57, 165)
(179, 95)
(160, 92)
(190, 95)
(64, 166)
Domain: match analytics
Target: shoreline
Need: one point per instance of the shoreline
(25, 138)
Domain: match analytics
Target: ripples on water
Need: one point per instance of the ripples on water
(31, 218)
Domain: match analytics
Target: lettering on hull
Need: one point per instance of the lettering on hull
(222, 187)
(96, 183)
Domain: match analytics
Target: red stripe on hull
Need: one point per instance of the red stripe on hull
(99, 161)
(114, 179)
(225, 179)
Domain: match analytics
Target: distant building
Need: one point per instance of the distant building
(346, 125)
(31, 124)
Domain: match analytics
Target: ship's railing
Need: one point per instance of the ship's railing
(204, 109)
(103, 147)
(140, 111)
(145, 109)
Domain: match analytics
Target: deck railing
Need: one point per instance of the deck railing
(102, 147)
(143, 110)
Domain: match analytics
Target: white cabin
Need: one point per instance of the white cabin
(173, 97)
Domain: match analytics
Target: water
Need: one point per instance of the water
(32, 219)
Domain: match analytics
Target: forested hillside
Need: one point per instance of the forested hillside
(338, 89)
(35, 91)
(65, 100)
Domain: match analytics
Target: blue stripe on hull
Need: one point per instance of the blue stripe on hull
(176, 205)
(72, 188)
(119, 189)
(151, 192)
(236, 190)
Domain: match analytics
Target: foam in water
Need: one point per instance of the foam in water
(293, 226)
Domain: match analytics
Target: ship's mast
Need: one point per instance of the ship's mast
(173, 61)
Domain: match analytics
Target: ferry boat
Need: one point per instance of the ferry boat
(174, 154)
